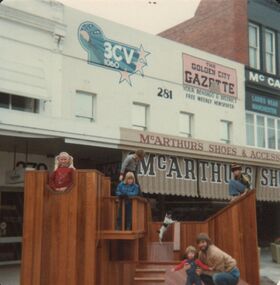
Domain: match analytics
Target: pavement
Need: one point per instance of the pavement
(269, 271)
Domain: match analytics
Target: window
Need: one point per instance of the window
(19, 103)
(254, 46)
(271, 137)
(139, 116)
(270, 51)
(260, 131)
(185, 124)
(267, 130)
(250, 129)
(85, 105)
(278, 134)
(225, 131)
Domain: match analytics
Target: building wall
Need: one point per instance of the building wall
(58, 54)
(218, 27)
(7, 164)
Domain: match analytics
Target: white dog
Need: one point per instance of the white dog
(166, 223)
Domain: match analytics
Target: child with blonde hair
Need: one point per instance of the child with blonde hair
(127, 188)
(191, 264)
(61, 178)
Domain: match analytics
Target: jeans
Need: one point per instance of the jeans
(193, 279)
(128, 218)
(222, 278)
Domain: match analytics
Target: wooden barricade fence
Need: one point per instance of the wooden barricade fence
(60, 230)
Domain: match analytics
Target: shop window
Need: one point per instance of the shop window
(250, 129)
(254, 46)
(139, 116)
(225, 131)
(185, 124)
(270, 61)
(19, 103)
(85, 105)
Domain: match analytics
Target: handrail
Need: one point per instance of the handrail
(141, 199)
(116, 212)
(231, 204)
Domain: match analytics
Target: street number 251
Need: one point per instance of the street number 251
(165, 93)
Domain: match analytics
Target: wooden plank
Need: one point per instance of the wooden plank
(88, 182)
(27, 238)
(72, 213)
(41, 180)
(177, 236)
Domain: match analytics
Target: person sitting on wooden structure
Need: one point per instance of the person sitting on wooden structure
(240, 183)
(166, 223)
(61, 178)
(191, 263)
(127, 188)
(225, 271)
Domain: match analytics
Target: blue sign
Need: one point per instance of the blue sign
(111, 54)
(265, 104)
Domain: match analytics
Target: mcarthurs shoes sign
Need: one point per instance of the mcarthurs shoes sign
(186, 176)
(173, 144)
(187, 167)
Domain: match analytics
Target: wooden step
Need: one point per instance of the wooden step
(149, 270)
(149, 279)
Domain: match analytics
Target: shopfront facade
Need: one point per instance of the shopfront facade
(72, 81)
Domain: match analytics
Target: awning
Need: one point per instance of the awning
(187, 176)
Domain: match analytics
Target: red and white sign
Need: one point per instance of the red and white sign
(203, 74)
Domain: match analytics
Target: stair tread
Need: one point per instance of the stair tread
(150, 270)
(149, 279)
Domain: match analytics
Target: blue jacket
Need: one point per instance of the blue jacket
(236, 187)
(127, 189)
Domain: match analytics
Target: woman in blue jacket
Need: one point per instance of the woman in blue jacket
(127, 188)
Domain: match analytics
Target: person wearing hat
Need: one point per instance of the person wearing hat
(224, 267)
(240, 183)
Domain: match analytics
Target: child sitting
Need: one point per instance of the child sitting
(126, 189)
(166, 223)
(191, 264)
(61, 178)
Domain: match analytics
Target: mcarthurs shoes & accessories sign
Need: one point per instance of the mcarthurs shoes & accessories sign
(187, 167)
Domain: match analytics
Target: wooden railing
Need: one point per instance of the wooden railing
(111, 207)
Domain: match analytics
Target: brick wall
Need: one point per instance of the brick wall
(219, 27)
